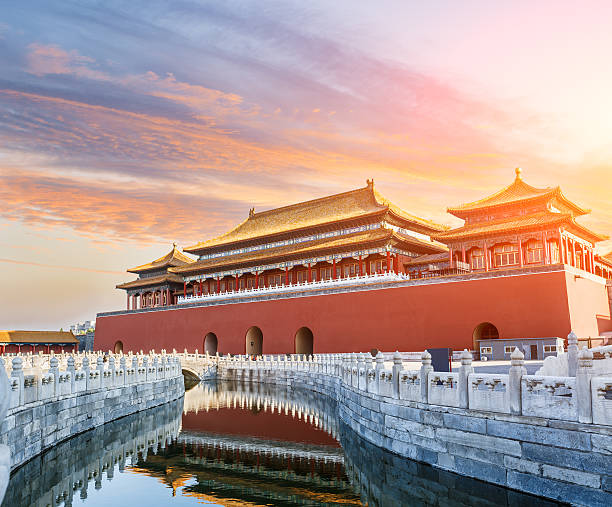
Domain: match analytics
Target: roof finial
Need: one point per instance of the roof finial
(174, 245)
(370, 183)
(251, 212)
(518, 172)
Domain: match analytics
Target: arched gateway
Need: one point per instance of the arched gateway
(484, 331)
(118, 349)
(304, 341)
(254, 341)
(210, 343)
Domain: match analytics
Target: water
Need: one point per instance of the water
(228, 444)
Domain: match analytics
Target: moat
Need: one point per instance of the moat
(229, 444)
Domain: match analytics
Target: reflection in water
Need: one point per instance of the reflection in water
(239, 444)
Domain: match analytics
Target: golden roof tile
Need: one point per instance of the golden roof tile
(307, 249)
(353, 204)
(173, 258)
(516, 192)
(37, 337)
(428, 259)
(153, 280)
(515, 223)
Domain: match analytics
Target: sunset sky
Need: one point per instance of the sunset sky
(125, 126)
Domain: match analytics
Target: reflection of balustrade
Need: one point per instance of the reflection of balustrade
(102, 451)
(293, 287)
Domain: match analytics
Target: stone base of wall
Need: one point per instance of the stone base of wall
(565, 461)
(31, 429)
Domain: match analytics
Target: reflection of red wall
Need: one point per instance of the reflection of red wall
(405, 318)
(263, 424)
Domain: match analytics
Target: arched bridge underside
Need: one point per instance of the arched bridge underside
(191, 374)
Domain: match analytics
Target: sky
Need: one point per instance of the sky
(126, 126)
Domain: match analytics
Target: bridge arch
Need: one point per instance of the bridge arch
(190, 374)
(304, 341)
(118, 348)
(211, 343)
(254, 341)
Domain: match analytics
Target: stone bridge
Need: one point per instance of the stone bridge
(546, 435)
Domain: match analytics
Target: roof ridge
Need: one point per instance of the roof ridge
(311, 201)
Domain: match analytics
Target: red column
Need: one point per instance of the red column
(388, 261)
(334, 269)
(256, 280)
(128, 301)
(201, 288)
(450, 257)
(573, 261)
(184, 289)
(309, 272)
(237, 288)
(396, 264)
(360, 266)
(286, 275)
(545, 247)
(593, 261)
(520, 247)
(584, 266)
(218, 285)
(486, 256)
(463, 253)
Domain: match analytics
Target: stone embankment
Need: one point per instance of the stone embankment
(53, 397)
(549, 436)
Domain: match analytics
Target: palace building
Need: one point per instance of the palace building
(352, 271)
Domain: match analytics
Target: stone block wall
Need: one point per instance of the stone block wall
(34, 427)
(561, 460)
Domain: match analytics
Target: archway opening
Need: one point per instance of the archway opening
(304, 341)
(254, 341)
(210, 343)
(484, 331)
(118, 349)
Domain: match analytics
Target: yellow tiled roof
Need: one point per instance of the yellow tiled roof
(37, 337)
(173, 258)
(510, 224)
(305, 250)
(153, 280)
(347, 205)
(513, 193)
(428, 258)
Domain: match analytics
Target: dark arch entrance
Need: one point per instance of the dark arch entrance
(118, 347)
(304, 341)
(210, 343)
(254, 341)
(484, 331)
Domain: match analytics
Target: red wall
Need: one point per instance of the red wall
(411, 318)
(261, 424)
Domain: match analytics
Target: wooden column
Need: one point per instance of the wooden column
(286, 275)
(360, 266)
(463, 253)
(450, 257)
(486, 256)
(218, 285)
(573, 263)
(309, 272)
(185, 289)
(334, 269)
(544, 247)
(520, 247)
(237, 287)
(388, 261)
(256, 279)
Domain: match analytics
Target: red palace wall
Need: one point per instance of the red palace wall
(409, 318)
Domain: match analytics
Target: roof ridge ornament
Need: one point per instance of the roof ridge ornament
(251, 212)
(370, 183)
(518, 172)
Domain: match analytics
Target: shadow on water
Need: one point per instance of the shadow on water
(240, 444)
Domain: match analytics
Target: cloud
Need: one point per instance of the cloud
(56, 266)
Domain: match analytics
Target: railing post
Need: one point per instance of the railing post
(85, 368)
(426, 367)
(583, 386)
(122, 367)
(380, 366)
(71, 370)
(18, 373)
(100, 368)
(517, 370)
(572, 354)
(111, 369)
(54, 369)
(464, 372)
(397, 367)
